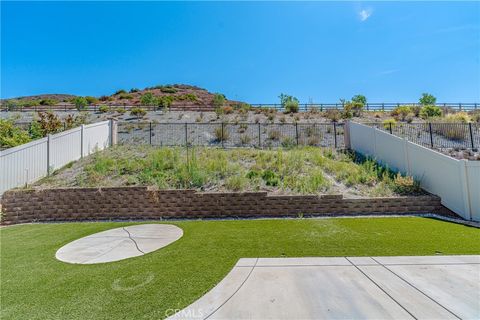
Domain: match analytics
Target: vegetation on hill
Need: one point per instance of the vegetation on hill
(309, 170)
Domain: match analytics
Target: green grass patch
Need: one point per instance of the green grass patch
(34, 285)
(304, 170)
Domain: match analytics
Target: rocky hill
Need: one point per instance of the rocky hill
(176, 97)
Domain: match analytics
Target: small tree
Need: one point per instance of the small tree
(80, 103)
(289, 103)
(427, 99)
(359, 99)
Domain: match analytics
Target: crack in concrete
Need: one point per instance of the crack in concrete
(234, 293)
(130, 237)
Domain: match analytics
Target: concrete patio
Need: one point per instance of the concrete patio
(420, 287)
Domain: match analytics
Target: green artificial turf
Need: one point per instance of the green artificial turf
(34, 285)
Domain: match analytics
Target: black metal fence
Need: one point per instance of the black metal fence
(303, 107)
(228, 135)
(436, 135)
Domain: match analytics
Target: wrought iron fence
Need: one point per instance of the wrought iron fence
(436, 135)
(229, 135)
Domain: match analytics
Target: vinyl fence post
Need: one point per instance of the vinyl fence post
(471, 135)
(296, 132)
(48, 153)
(335, 133)
(259, 137)
(462, 165)
(431, 134)
(346, 135)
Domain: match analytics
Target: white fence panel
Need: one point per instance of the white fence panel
(362, 138)
(440, 175)
(31, 161)
(390, 151)
(96, 136)
(457, 182)
(23, 164)
(65, 147)
(473, 180)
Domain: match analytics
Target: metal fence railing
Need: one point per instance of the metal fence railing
(303, 107)
(229, 135)
(436, 135)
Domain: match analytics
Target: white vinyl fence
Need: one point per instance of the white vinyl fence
(457, 182)
(29, 162)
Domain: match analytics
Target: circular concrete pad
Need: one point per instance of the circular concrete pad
(118, 244)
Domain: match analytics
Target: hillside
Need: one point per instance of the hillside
(177, 96)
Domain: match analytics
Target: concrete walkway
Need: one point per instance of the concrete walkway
(431, 287)
(118, 244)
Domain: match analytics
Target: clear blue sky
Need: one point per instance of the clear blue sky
(323, 51)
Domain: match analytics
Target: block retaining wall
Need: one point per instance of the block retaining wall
(142, 203)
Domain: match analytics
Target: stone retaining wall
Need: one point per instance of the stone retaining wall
(79, 204)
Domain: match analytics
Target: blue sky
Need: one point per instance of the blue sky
(319, 51)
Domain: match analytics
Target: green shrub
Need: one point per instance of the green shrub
(48, 102)
(168, 89)
(405, 185)
(353, 109)
(289, 103)
(218, 100)
(461, 117)
(389, 123)
(120, 110)
(138, 112)
(148, 99)
(274, 134)
(416, 110)
(104, 109)
(288, 143)
(91, 100)
(133, 90)
(80, 103)
(401, 112)
(270, 178)
(221, 134)
(35, 130)
(236, 183)
(12, 104)
(29, 103)
(429, 111)
(245, 139)
(120, 92)
(333, 115)
(187, 97)
(12, 135)
(165, 101)
(291, 107)
(125, 96)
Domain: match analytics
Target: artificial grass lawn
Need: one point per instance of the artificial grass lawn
(35, 285)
